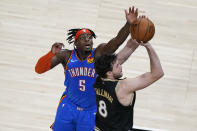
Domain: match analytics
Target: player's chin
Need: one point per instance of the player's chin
(118, 76)
(121, 74)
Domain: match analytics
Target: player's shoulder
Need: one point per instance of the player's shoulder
(99, 49)
(65, 52)
(101, 45)
(122, 84)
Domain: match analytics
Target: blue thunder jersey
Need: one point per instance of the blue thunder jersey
(79, 79)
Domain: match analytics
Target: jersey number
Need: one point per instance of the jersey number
(82, 86)
(102, 109)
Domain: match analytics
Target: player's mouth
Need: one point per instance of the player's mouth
(88, 46)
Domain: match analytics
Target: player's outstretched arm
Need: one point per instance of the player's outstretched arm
(146, 79)
(115, 42)
(49, 60)
(129, 48)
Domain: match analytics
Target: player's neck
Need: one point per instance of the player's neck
(83, 54)
(110, 77)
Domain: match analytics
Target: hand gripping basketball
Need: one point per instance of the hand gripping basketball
(142, 29)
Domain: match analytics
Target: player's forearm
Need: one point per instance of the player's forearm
(155, 65)
(126, 52)
(122, 34)
(44, 63)
(114, 43)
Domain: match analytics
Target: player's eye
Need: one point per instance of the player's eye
(82, 38)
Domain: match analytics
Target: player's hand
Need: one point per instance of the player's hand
(143, 16)
(131, 16)
(57, 47)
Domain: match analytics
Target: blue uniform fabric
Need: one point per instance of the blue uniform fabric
(77, 108)
(80, 77)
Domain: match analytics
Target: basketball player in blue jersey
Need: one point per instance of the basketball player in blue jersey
(77, 107)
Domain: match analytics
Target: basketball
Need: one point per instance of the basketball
(142, 29)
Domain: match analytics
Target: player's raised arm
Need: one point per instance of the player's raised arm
(115, 42)
(146, 79)
(51, 59)
(124, 54)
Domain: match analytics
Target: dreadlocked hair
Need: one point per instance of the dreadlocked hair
(72, 32)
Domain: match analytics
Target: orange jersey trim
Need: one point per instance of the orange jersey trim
(58, 107)
(44, 63)
(61, 100)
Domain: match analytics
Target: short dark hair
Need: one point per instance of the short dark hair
(72, 32)
(104, 63)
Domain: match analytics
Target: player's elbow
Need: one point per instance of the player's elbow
(160, 75)
(157, 75)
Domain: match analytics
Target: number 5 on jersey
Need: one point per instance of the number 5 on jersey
(82, 86)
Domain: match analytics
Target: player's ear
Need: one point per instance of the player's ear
(109, 73)
(76, 42)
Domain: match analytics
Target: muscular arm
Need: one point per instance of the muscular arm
(114, 43)
(44, 63)
(124, 54)
(146, 79)
(50, 60)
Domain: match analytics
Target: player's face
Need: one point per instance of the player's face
(117, 70)
(84, 42)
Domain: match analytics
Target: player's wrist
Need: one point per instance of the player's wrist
(147, 45)
(130, 23)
